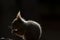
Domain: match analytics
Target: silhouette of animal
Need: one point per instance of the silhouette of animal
(27, 29)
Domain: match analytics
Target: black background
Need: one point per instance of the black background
(45, 12)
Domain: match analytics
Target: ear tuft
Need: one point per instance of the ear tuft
(18, 15)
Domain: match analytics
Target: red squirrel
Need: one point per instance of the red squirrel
(27, 29)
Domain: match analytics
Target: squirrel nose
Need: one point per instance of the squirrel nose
(15, 29)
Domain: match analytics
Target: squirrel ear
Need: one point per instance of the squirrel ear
(18, 15)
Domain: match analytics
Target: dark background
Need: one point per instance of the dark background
(45, 12)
